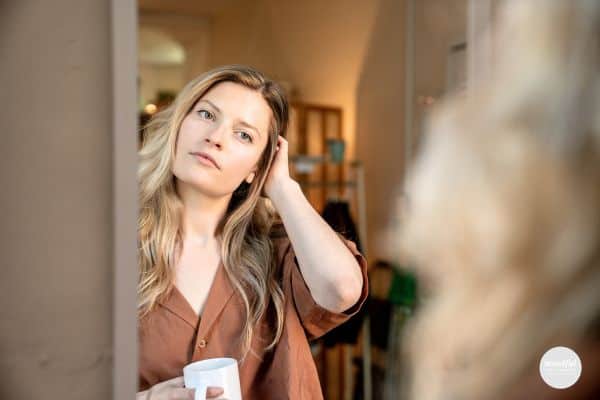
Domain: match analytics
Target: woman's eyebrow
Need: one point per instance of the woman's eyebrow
(247, 125)
(243, 123)
(211, 104)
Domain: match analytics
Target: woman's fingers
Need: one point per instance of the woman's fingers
(175, 382)
(213, 392)
(181, 394)
(281, 142)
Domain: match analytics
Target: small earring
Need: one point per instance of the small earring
(251, 178)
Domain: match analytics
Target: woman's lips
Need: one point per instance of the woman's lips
(205, 160)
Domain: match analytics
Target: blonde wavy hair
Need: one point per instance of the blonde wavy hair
(504, 215)
(245, 231)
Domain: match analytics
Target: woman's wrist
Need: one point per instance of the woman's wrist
(282, 189)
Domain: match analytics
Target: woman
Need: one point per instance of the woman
(221, 274)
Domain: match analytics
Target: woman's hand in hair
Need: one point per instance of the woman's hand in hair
(279, 173)
(174, 389)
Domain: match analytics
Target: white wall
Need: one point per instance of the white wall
(380, 122)
(439, 24)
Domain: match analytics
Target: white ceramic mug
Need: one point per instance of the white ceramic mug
(214, 372)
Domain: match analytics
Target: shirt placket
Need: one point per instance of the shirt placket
(200, 346)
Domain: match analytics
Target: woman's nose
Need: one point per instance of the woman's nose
(215, 136)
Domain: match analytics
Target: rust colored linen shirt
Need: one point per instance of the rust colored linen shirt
(172, 335)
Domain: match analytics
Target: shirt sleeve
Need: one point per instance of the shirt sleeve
(315, 319)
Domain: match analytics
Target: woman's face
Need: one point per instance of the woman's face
(230, 123)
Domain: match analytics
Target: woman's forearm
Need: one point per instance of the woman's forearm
(329, 268)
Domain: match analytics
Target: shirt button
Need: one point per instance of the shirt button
(202, 344)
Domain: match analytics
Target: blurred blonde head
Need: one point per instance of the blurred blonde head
(246, 249)
(504, 219)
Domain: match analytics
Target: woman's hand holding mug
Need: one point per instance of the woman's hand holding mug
(174, 389)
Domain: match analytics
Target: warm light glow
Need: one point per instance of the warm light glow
(150, 108)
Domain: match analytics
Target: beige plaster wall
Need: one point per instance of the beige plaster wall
(55, 207)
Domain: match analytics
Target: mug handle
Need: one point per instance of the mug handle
(200, 393)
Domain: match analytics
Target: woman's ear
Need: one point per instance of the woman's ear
(250, 177)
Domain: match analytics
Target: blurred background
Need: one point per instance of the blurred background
(79, 80)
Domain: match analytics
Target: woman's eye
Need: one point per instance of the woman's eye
(245, 136)
(205, 114)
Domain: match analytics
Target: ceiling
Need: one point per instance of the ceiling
(197, 8)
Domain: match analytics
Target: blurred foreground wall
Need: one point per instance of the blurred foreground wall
(55, 202)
